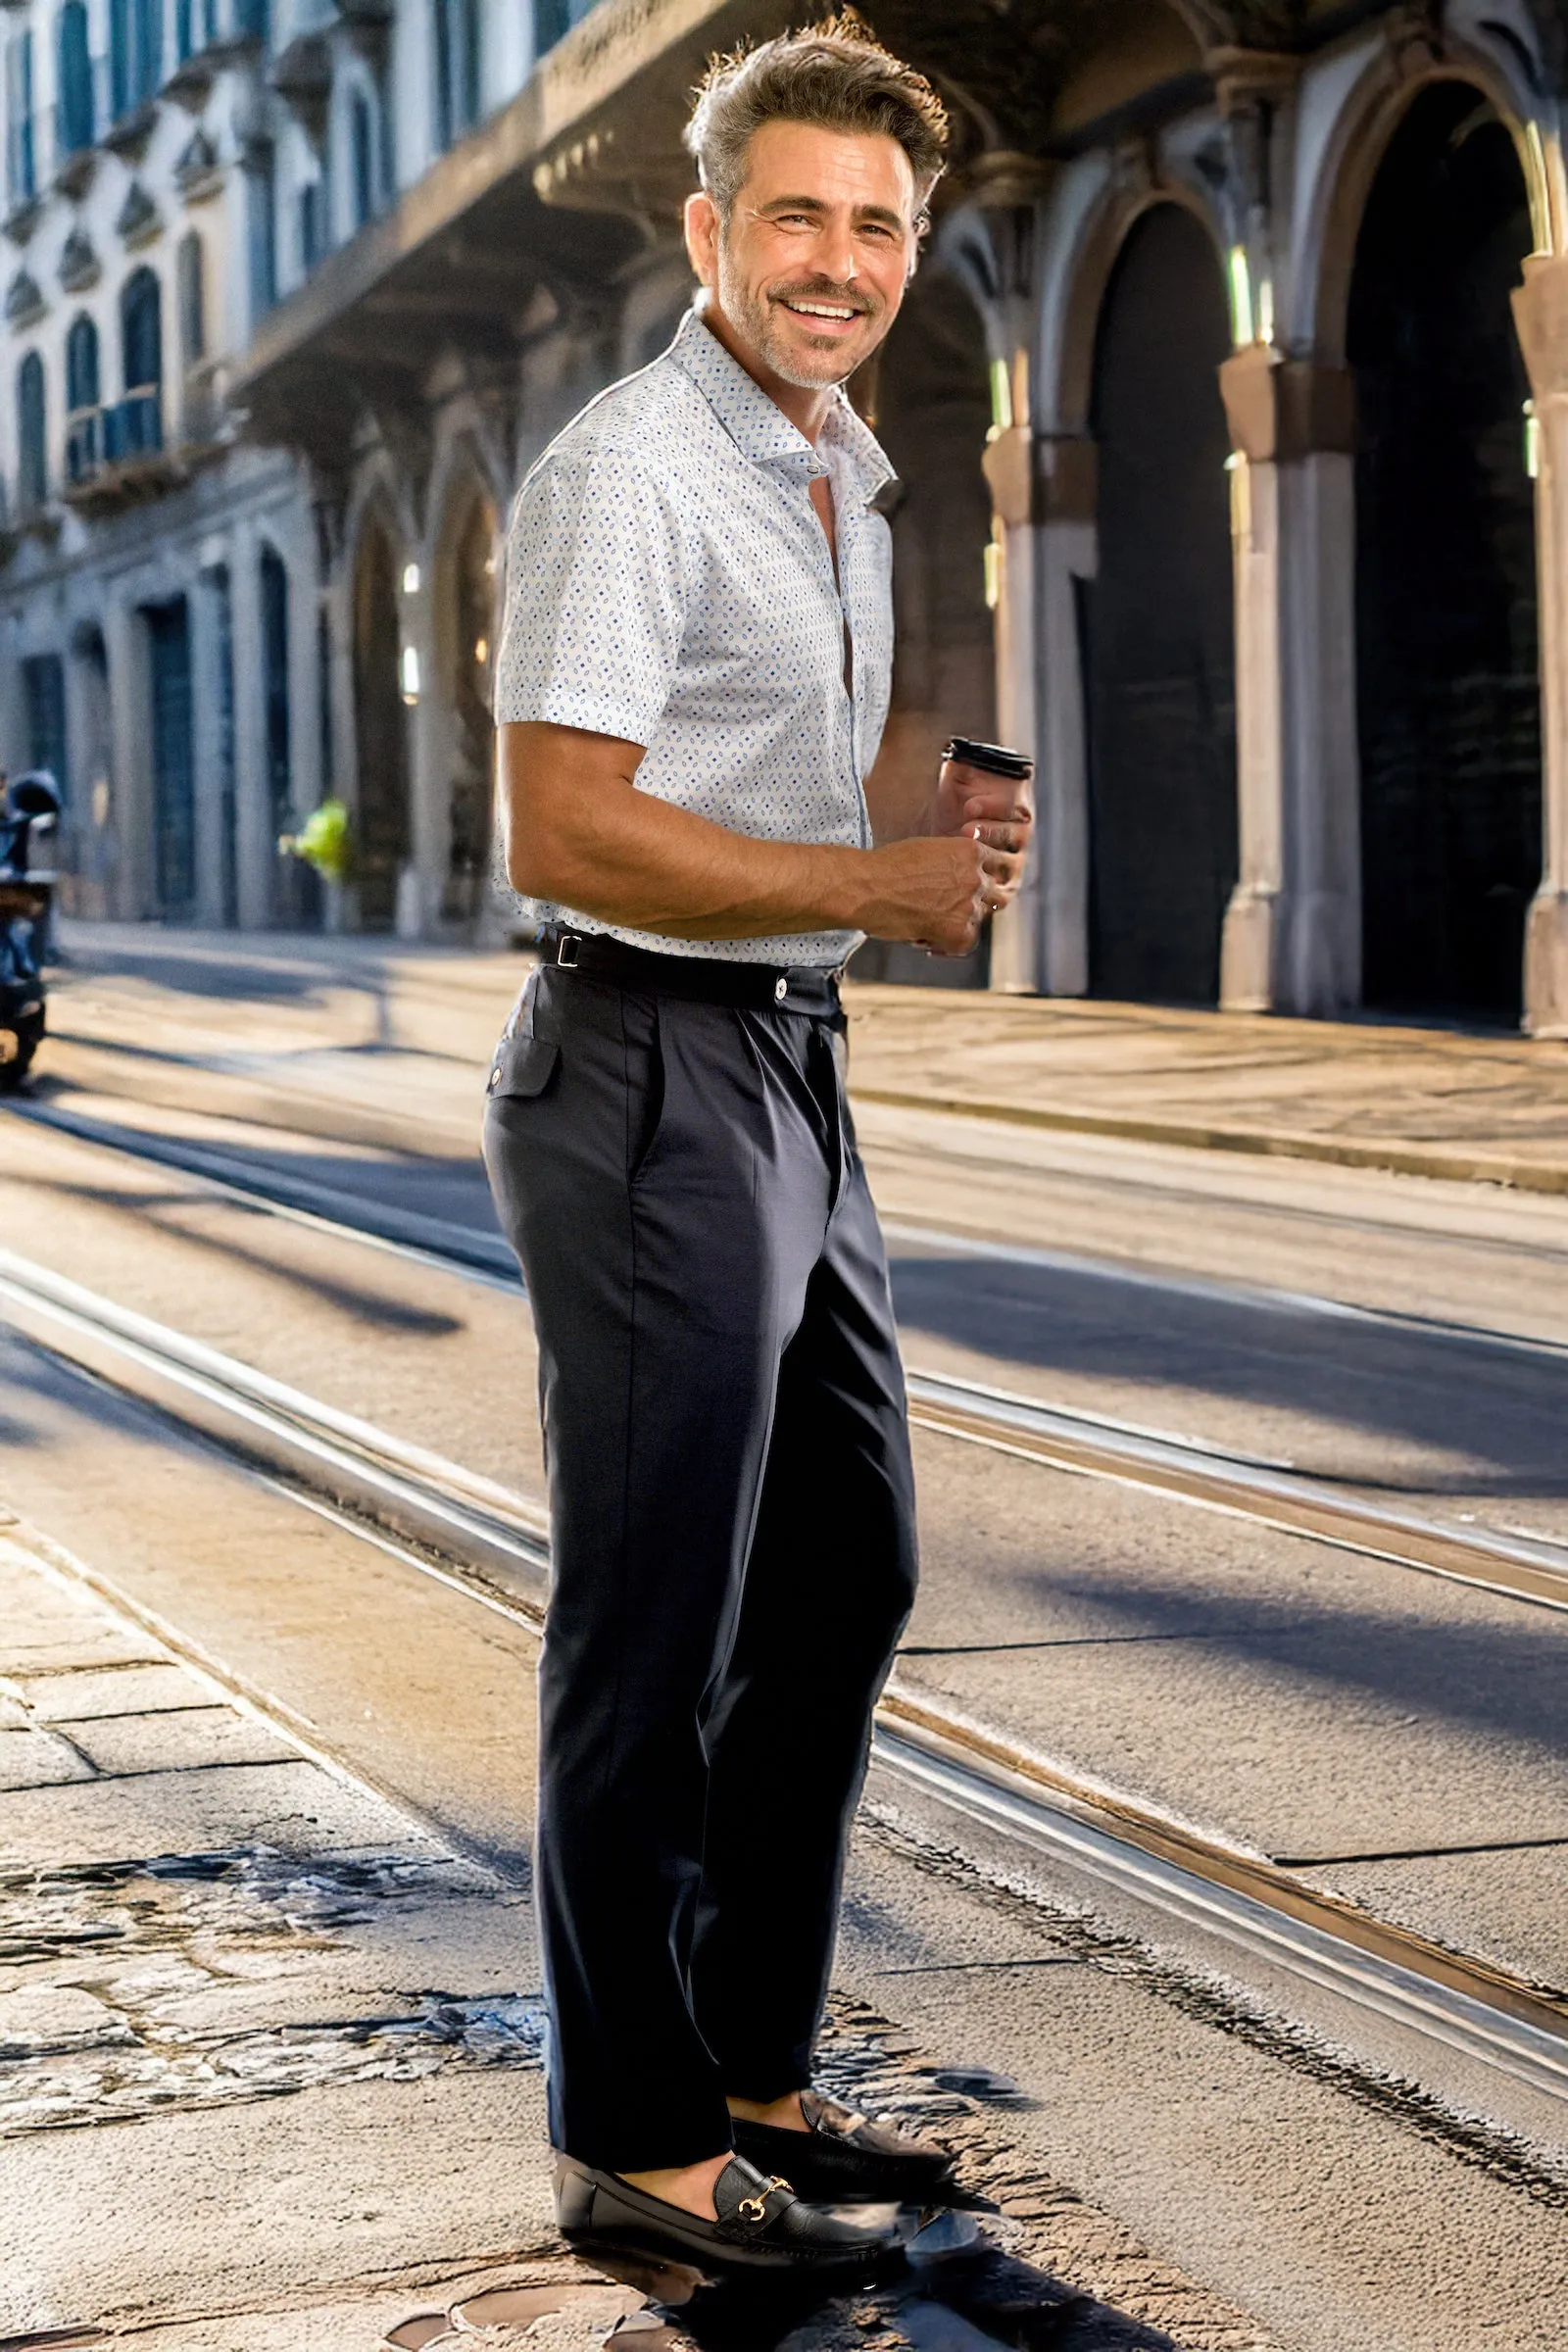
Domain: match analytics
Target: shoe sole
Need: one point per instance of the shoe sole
(715, 2263)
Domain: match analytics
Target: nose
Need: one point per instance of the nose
(835, 253)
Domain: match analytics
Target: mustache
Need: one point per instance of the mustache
(823, 289)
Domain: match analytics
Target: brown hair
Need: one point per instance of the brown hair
(836, 74)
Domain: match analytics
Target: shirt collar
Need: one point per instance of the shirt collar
(759, 428)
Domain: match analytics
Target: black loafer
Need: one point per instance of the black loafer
(762, 2225)
(845, 2157)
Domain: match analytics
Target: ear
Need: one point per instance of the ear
(702, 225)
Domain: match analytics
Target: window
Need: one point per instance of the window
(552, 20)
(135, 53)
(22, 178)
(191, 291)
(141, 328)
(456, 68)
(361, 144)
(81, 366)
(262, 232)
(43, 683)
(139, 426)
(313, 225)
(77, 129)
(84, 425)
(32, 427)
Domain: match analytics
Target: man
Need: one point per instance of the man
(693, 679)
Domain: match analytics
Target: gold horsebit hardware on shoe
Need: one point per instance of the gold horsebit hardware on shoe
(755, 2209)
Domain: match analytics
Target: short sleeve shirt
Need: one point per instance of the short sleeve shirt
(669, 582)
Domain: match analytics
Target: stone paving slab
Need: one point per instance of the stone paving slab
(305, 1031)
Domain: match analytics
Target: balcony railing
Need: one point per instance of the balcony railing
(83, 444)
(133, 427)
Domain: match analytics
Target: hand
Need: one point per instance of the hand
(998, 811)
(937, 893)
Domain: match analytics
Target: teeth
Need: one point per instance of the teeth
(819, 309)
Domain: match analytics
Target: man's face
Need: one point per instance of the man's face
(810, 266)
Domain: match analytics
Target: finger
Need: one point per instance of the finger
(998, 807)
(1013, 838)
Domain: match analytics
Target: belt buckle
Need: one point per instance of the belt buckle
(565, 962)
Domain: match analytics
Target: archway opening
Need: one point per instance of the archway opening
(466, 614)
(1157, 625)
(1449, 694)
(381, 732)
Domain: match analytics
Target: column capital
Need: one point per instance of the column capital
(1541, 315)
(1042, 477)
(1280, 410)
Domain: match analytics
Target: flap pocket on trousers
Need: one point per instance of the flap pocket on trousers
(523, 1065)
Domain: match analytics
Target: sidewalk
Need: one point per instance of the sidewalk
(271, 2081)
(335, 1034)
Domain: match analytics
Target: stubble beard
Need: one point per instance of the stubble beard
(756, 319)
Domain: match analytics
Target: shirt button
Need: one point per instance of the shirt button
(781, 988)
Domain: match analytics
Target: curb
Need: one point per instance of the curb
(1390, 1159)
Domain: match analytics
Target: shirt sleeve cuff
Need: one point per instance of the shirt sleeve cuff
(596, 714)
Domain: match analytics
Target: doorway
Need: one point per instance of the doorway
(1157, 623)
(174, 762)
(1449, 694)
(381, 731)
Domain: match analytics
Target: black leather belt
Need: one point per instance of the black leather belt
(700, 979)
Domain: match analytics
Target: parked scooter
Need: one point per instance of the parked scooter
(29, 806)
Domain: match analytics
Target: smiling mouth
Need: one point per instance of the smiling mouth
(833, 314)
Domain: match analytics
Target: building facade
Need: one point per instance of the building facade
(1230, 402)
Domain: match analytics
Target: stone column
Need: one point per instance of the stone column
(1540, 313)
(255, 848)
(1042, 489)
(1292, 932)
(207, 711)
(419, 887)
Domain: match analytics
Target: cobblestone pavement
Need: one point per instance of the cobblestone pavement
(330, 1022)
(231, 1974)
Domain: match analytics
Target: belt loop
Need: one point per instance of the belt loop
(567, 939)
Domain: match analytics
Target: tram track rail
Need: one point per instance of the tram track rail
(493, 1546)
(1185, 1470)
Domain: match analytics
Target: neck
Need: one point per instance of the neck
(806, 406)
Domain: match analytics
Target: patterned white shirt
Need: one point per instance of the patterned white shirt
(669, 582)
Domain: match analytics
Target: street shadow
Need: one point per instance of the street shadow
(200, 972)
(457, 1192)
(1507, 1677)
(962, 2302)
(1497, 1412)
(363, 1305)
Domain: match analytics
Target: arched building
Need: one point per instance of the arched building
(1231, 405)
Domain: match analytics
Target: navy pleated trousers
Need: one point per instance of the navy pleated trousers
(732, 1516)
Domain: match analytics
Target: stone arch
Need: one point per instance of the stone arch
(1364, 118)
(468, 619)
(1107, 209)
(383, 826)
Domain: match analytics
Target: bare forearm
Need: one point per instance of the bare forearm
(576, 831)
(635, 861)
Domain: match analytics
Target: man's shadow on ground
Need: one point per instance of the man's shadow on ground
(958, 2295)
